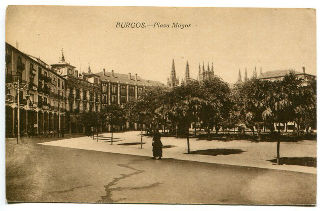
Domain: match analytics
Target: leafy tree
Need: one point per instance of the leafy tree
(216, 104)
(88, 120)
(183, 104)
(114, 115)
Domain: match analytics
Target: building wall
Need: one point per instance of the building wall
(58, 94)
(42, 95)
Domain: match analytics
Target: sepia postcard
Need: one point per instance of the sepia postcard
(160, 105)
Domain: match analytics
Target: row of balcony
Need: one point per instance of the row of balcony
(45, 78)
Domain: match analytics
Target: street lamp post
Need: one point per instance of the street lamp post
(18, 87)
(59, 126)
(18, 110)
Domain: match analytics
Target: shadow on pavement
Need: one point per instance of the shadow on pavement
(132, 143)
(168, 146)
(215, 152)
(300, 161)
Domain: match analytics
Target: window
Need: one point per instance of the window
(58, 82)
(131, 91)
(123, 99)
(139, 91)
(114, 89)
(123, 90)
(114, 99)
(104, 88)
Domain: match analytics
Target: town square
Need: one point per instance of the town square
(96, 112)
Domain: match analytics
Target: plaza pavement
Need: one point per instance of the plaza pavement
(237, 152)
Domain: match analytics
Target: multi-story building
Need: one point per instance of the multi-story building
(82, 94)
(52, 97)
(90, 91)
(280, 74)
(119, 88)
(41, 95)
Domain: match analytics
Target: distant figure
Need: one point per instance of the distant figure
(157, 146)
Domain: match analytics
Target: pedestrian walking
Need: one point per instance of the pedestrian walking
(157, 145)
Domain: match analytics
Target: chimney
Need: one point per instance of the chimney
(129, 76)
(304, 70)
(112, 71)
(136, 77)
(104, 71)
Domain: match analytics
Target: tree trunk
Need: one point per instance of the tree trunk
(111, 134)
(141, 138)
(195, 129)
(97, 134)
(176, 131)
(188, 142)
(278, 151)
(286, 127)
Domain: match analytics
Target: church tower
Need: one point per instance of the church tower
(239, 77)
(203, 72)
(187, 76)
(212, 68)
(254, 75)
(245, 75)
(199, 75)
(173, 81)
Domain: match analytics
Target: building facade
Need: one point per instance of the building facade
(41, 95)
(280, 74)
(52, 97)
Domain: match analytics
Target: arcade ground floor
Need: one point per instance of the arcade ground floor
(35, 122)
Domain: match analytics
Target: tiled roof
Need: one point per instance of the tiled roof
(278, 73)
(124, 78)
(62, 63)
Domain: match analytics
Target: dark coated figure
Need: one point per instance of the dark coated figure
(157, 146)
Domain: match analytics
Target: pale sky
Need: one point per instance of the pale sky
(231, 38)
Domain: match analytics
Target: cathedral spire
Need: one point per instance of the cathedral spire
(245, 75)
(239, 77)
(199, 76)
(254, 75)
(212, 68)
(173, 70)
(187, 77)
(172, 80)
(203, 72)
